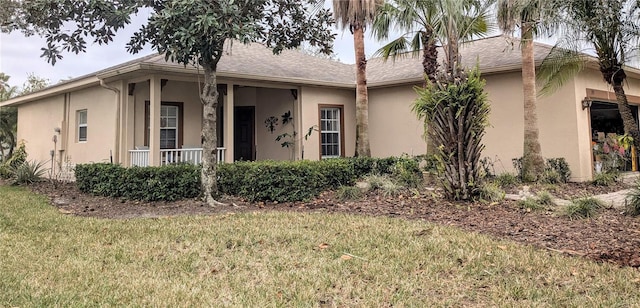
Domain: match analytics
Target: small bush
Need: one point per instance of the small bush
(606, 178)
(581, 208)
(390, 189)
(505, 179)
(17, 159)
(28, 172)
(556, 170)
(550, 176)
(348, 193)
(632, 207)
(530, 204)
(491, 192)
(560, 167)
(406, 172)
(544, 198)
(541, 201)
(376, 181)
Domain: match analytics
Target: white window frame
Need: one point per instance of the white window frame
(335, 121)
(164, 119)
(82, 125)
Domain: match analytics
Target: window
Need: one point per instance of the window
(81, 116)
(170, 124)
(331, 132)
(168, 127)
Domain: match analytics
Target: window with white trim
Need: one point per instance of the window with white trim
(169, 127)
(330, 132)
(81, 116)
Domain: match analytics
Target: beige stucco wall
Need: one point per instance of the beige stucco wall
(100, 104)
(36, 124)
(393, 128)
(273, 102)
(311, 97)
(557, 123)
(37, 121)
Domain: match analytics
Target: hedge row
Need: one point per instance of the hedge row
(264, 180)
(167, 183)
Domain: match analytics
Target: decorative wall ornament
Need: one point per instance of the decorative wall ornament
(271, 123)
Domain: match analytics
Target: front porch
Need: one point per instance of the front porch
(162, 121)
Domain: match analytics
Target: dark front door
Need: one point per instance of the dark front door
(244, 139)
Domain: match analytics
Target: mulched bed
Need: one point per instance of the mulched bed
(610, 237)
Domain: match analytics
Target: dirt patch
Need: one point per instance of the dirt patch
(610, 237)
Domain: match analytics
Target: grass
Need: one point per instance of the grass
(582, 208)
(281, 260)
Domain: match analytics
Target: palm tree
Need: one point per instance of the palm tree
(357, 15)
(612, 29)
(530, 17)
(8, 119)
(428, 23)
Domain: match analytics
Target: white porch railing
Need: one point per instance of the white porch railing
(173, 156)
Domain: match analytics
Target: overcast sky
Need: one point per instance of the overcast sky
(20, 55)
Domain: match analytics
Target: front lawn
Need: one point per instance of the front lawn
(281, 259)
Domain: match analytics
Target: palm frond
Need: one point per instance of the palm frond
(394, 49)
(350, 12)
(560, 66)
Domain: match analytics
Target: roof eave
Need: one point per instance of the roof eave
(52, 91)
(159, 69)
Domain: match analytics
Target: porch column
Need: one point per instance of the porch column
(297, 118)
(154, 121)
(228, 124)
(122, 151)
(128, 125)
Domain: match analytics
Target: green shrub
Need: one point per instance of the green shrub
(550, 176)
(28, 172)
(390, 189)
(376, 181)
(583, 208)
(491, 192)
(280, 181)
(632, 207)
(606, 178)
(544, 198)
(167, 183)
(560, 167)
(556, 170)
(291, 180)
(17, 159)
(505, 179)
(348, 193)
(406, 172)
(530, 204)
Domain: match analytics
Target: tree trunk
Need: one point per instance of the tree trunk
(362, 99)
(614, 74)
(209, 98)
(532, 162)
(429, 55)
(629, 122)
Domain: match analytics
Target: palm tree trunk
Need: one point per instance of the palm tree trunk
(209, 97)
(628, 120)
(429, 55)
(362, 96)
(532, 162)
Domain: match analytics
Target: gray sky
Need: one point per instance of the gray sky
(20, 55)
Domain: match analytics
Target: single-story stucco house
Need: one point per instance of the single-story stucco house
(147, 111)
